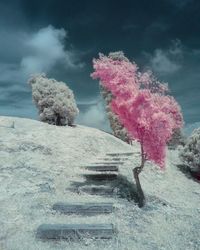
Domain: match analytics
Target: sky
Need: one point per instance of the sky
(62, 37)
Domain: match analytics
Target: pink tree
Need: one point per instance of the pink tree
(118, 76)
(143, 108)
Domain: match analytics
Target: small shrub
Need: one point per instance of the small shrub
(190, 154)
(177, 139)
(54, 100)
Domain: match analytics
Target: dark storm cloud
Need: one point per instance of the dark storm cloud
(161, 34)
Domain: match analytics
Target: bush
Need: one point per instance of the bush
(190, 154)
(54, 100)
(177, 139)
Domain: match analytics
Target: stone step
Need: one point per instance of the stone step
(74, 231)
(103, 168)
(100, 177)
(121, 154)
(96, 190)
(108, 163)
(114, 159)
(83, 208)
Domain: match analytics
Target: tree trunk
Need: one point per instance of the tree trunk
(141, 197)
(58, 120)
(136, 172)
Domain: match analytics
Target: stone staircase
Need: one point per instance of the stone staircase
(98, 176)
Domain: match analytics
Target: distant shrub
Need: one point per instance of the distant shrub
(118, 55)
(54, 100)
(190, 154)
(177, 139)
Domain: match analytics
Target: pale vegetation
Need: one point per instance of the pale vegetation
(54, 100)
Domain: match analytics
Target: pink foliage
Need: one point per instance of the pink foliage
(118, 76)
(169, 106)
(146, 122)
(141, 105)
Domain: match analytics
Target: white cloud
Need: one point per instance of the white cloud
(40, 52)
(46, 48)
(94, 116)
(24, 53)
(166, 61)
(162, 64)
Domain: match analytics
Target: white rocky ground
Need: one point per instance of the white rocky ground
(38, 162)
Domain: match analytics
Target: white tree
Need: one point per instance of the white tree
(118, 55)
(118, 129)
(190, 154)
(54, 100)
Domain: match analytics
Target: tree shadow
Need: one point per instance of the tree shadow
(125, 189)
(121, 186)
(188, 172)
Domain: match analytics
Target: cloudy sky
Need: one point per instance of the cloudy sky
(61, 38)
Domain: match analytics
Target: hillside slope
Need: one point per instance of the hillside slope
(38, 163)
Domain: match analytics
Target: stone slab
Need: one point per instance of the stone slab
(109, 163)
(97, 190)
(83, 208)
(100, 177)
(121, 154)
(103, 168)
(114, 159)
(74, 231)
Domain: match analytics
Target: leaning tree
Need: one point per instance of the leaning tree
(149, 115)
(54, 100)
